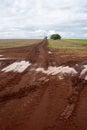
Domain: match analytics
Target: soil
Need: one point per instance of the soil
(36, 101)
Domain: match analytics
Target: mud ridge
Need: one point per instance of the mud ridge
(78, 86)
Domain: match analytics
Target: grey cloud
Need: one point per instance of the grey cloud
(30, 19)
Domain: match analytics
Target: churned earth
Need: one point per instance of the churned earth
(42, 89)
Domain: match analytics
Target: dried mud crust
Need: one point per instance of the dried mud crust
(36, 101)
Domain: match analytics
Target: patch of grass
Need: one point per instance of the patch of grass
(11, 43)
(68, 44)
(79, 41)
(52, 45)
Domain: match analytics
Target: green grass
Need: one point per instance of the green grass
(11, 43)
(68, 44)
(79, 41)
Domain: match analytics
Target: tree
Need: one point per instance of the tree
(55, 36)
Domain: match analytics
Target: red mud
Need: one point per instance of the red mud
(35, 101)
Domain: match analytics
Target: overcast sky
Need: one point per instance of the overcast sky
(33, 18)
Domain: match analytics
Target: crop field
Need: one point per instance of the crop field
(68, 44)
(8, 43)
(43, 84)
(79, 41)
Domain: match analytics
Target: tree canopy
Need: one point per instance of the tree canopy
(55, 36)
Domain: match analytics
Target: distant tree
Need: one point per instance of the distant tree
(55, 36)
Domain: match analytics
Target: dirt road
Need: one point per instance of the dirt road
(36, 100)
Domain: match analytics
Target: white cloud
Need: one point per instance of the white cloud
(27, 18)
(85, 35)
(51, 32)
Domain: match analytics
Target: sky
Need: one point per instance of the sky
(36, 18)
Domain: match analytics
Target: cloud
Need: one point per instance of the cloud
(51, 32)
(31, 19)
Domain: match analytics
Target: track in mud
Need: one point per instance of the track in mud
(41, 100)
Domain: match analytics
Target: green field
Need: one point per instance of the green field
(7, 43)
(68, 44)
(79, 41)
